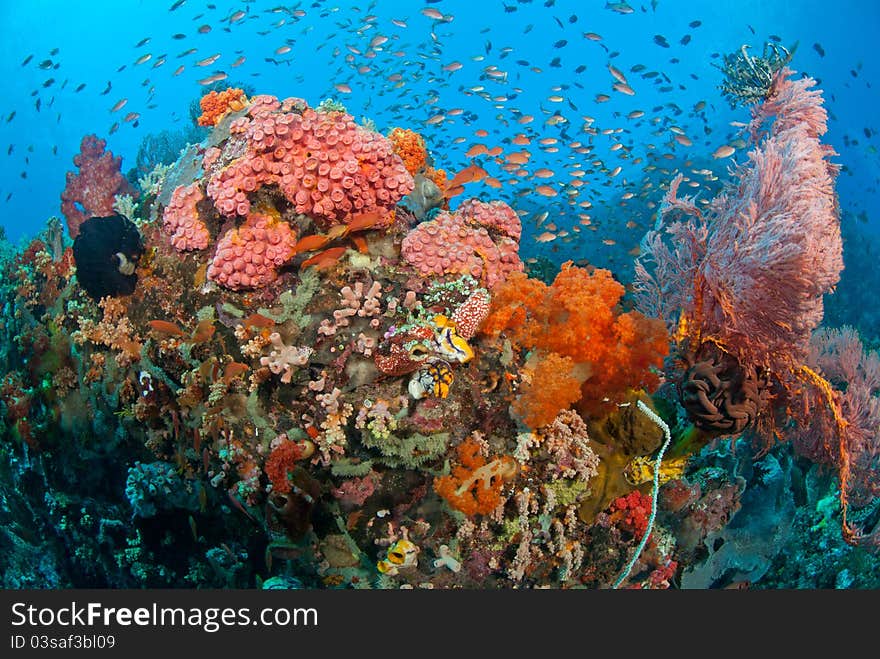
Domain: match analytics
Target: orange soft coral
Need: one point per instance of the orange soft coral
(438, 176)
(641, 343)
(514, 307)
(474, 487)
(577, 318)
(215, 104)
(410, 146)
(553, 386)
(281, 461)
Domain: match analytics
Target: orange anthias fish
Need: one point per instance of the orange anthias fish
(361, 243)
(259, 320)
(467, 175)
(364, 221)
(476, 150)
(166, 327)
(325, 259)
(203, 331)
(359, 222)
(310, 243)
(233, 370)
(337, 232)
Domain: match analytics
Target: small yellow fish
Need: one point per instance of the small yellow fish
(402, 554)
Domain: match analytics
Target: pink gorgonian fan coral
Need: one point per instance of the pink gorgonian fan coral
(741, 286)
(750, 273)
(853, 374)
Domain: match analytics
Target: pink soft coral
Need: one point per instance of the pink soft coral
(92, 191)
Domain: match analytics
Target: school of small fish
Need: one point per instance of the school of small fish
(582, 141)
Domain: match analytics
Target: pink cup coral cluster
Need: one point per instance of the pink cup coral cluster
(494, 215)
(249, 256)
(181, 219)
(480, 239)
(323, 163)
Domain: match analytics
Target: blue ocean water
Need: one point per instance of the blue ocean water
(517, 59)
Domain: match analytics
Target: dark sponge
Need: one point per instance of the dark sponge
(99, 267)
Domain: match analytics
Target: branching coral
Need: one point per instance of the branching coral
(91, 191)
(284, 359)
(281, 462)
(853, 398)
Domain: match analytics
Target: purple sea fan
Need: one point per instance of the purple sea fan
(750, 273)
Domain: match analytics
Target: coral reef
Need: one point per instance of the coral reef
(576, 318)
(302, 384)
(322, 162)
